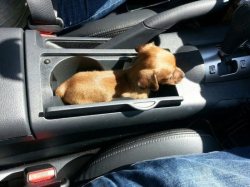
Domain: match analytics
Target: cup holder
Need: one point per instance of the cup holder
(65, 67)
(69, 66)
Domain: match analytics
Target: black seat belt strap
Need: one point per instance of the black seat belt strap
(43, 17)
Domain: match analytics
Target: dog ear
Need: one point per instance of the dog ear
(148, 79)
(177, 76)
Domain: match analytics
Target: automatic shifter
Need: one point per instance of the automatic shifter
(229, 63)
(239, 31)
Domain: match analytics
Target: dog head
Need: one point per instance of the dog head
(158, 66)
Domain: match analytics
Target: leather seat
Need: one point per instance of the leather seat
(150, 146)
(111, 26)
(115, 24)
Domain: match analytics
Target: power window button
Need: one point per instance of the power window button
(243, 64)
(212, 69)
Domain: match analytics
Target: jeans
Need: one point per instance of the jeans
(223, 168)
(78, 12)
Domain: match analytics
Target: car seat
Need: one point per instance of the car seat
(150, 146)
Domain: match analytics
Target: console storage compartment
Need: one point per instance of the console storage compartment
(61, 68)
(49, 64)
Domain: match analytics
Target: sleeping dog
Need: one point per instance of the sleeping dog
(153, 66)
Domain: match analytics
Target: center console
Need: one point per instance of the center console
(48, 65)
(35, 114)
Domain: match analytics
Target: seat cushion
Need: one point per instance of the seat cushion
(150, 146)
(112, 25)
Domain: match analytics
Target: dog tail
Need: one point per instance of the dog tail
(60, 91)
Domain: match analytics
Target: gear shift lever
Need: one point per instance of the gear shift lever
(239, 30)
(229, 64)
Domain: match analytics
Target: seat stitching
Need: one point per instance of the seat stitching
(138, 145)
(111, 34)
(141, 144)
(155, 136)
(123, 26)
(171, 133)
(110, 30)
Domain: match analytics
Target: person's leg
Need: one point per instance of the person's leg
(75, 12)
(224, 168)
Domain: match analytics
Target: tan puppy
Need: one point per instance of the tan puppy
(153, 66)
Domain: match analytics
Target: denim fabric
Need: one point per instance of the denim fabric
(76, 12)
(227, 169)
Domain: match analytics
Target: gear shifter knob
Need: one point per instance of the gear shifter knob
(239, 30)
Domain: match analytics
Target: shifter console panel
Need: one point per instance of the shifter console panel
(217, 70)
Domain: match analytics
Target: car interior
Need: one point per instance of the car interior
(207, 111)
